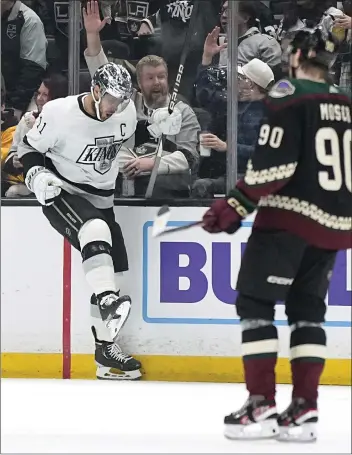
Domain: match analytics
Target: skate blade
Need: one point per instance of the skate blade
(267, 429)
(117, 321)
(114, 374)
(304, 433)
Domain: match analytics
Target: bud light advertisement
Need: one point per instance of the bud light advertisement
(190, 278)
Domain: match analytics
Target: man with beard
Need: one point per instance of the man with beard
(180, 155)
(69, 160)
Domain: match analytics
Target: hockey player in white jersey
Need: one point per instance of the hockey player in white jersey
(70, 164)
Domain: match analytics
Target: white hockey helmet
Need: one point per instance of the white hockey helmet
(114, 80)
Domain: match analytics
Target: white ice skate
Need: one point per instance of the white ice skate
(114, 312)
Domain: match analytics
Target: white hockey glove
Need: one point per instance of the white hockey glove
(44, 184)
(164, 123)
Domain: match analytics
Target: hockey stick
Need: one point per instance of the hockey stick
(161, 220)
(179, 228)
(173, 98)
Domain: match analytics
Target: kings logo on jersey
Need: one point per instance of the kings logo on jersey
(101, 154)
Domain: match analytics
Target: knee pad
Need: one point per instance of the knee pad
(253, 308)
(93, 231)
(95, 238)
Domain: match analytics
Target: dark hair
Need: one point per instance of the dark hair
(249, 9)
(293, 12)
(310, 66)
(57, 84)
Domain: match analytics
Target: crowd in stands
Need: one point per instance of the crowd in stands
(147, 38)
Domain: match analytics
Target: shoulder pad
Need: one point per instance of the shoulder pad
(282, 89)
(334, 89)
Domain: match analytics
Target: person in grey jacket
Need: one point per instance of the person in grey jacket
(180, 157)
(23, 53)
(251, 42)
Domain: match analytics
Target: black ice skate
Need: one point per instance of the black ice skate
(113, 364)
(257, 419)
(299, 422)
(114, 311)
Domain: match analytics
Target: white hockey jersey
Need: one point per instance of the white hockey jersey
(80, 149)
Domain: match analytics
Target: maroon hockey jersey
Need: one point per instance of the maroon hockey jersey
(300, 173)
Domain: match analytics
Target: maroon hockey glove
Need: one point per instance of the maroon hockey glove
(226, 215)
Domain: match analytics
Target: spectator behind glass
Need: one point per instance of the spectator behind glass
(267, 23)
(254, 81)
(52, 87)
(9, 179)
(345, 22)
(251, 42)
(128, 19)
(173, 18)
(180, 156)
(23, 53)
(305, 13)
(41, 7)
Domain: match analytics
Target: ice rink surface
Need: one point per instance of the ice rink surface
(53, 416)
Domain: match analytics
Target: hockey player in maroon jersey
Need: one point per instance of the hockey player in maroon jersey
(299, 181)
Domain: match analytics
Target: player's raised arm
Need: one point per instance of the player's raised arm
(31, 151)
(94, 54)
